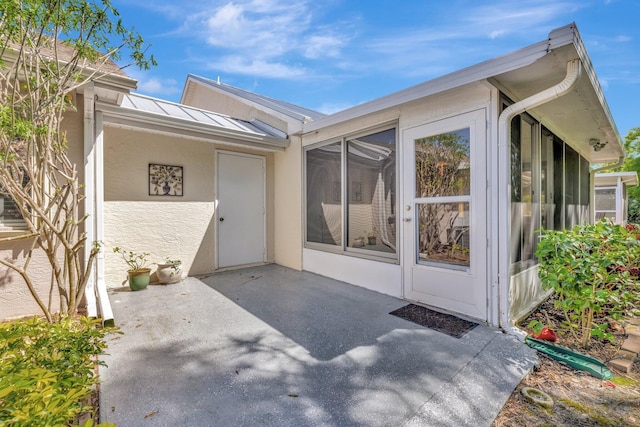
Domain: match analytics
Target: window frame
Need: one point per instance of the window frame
(596, 211)
(343, 248)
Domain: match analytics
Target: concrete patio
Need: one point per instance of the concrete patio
(271, 346)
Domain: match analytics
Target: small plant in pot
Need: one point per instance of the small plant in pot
(371, 237)
(139, 272)
(170, 271)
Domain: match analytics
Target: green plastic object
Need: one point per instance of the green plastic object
(574, 359)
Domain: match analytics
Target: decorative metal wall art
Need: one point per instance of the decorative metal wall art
(165, 180)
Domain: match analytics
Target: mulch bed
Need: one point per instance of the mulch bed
(441, 322)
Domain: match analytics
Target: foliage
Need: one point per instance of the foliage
(632, 164)
(47, 371)
(442, 169)
(589, 269)
(633, 210)
(136, 261)
(48, 50)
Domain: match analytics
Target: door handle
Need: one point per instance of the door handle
(407, 220)
(221, 219)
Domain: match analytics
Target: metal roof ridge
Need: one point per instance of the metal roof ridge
(298, 112)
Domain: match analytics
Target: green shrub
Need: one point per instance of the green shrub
(589, 268)
(47, 370)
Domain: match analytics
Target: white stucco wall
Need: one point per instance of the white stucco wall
(287, 171)
(176, 227)
(384, 276)
(15, 298)
(288, 206)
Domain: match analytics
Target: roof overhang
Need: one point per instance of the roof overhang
(629, 179)
(580, 117)
(166, 124)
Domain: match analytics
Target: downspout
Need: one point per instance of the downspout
(104, 305)
(574, 71)
(89, 174)
(96, 294)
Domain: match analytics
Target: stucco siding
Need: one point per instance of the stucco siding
(288, 206)
(208, 99)
(165, 226)
(382, 275)
(15, 298)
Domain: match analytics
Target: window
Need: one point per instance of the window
(525, 207)
(550, 185)
(605, 203)
(10, 216)
(363, 170)
(324, 194)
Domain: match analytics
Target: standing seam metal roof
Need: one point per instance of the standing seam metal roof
(169, 109)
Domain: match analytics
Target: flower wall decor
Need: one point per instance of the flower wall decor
(165, 180)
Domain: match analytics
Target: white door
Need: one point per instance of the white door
(444, 213)
(240, 209)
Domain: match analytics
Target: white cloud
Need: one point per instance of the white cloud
(157, 86)
(269, 28)
(623, 39)
(502, 18)
(323, 45)
(330, 108)
(238, 64)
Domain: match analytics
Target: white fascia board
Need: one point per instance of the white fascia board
(595, 84)
(484, 70)
(630, 179)
(168, 125)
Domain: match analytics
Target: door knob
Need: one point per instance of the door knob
(407, 220)
(221, 219)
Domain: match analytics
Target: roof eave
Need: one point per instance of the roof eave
(156, 122)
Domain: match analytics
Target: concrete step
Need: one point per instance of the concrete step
(622, 365)
(632, 344)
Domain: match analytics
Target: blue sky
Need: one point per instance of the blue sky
(332, 54)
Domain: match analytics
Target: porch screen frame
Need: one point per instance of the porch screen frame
(347, 193)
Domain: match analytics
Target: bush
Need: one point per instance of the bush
(589, 268)
(47, 370)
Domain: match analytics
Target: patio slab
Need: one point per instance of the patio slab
(271, 346)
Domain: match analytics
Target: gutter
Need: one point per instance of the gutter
(574, 71)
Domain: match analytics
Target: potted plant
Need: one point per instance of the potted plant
(170, 271)
(371, 237)
(358, 242)
(139, 273)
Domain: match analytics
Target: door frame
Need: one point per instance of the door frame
(477, 120)
(263, 160)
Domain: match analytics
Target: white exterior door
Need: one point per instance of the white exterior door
(240, 209)
(444, 214)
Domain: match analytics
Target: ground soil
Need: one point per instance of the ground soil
(579, 398)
